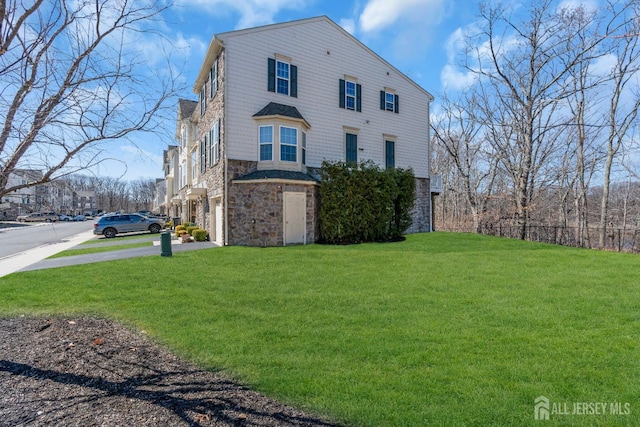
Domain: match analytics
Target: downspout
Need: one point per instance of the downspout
(225, 161)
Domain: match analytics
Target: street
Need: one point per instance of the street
(19, 239)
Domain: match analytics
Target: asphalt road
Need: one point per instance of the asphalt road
(19, 239)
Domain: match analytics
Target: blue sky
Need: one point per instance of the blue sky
(416, 36)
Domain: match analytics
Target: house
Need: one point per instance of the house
(273, 103)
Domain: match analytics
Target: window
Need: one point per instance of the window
(183, 136)
(288, 144)
(214, 157)
(282, 77)
(266, 143)
(389, 101)
(203, 102)
(213, 79)
(183, 174)
(194, 167)
(352, 148)
(304, 148)
(203, 154)
(390, 154)
(350, 95)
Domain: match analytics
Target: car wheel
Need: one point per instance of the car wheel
(109, 233)
(154, 228)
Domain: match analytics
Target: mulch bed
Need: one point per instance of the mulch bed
(95, 372)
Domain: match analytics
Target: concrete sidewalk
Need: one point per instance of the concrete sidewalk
(35, 259)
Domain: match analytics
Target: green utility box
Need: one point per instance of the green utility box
(165, 243)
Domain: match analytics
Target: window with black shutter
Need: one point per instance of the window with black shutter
(389, 101)
(350, 95)
(282, 77)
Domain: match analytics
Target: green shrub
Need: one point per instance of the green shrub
(180, 230)
(362, 203)
(199, 235)
(190, 229)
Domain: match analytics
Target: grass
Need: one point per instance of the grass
(93, 250)
(124, 237)
(442, 329)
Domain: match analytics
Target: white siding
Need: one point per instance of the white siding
(323, 54)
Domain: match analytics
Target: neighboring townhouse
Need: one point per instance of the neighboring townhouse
(274, 102)
(24, 200)
(171, 203)
(160, 200)
(57, 196)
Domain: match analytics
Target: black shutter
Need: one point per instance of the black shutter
(342, 84)
(271, 85)
(396, 103)
(294, 81)
(382, 100)
(358, 97)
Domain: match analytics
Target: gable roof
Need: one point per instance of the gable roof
(186, 108)
(217, 43)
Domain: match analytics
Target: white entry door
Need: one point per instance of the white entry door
(295, 218)
(217, 221)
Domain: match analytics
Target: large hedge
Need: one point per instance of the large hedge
(362, 203)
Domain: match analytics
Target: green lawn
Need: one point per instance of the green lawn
(93, 250)
(442, 329)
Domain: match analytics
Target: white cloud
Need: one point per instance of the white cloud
(604, 65)
(404, 27)
(589, 6)
(454, 78)
(349, 25)
(380, 14)
(252, 12)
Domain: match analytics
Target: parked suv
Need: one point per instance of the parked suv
(38, 216)
(110, 225)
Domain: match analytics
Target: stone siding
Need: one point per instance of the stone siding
(213, 177)
(256, 212)
(421, 211)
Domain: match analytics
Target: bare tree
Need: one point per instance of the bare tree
(584, 101)
(142, 192)
(460, 133)
(521, 67)
(622, 39)
(73, 78)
